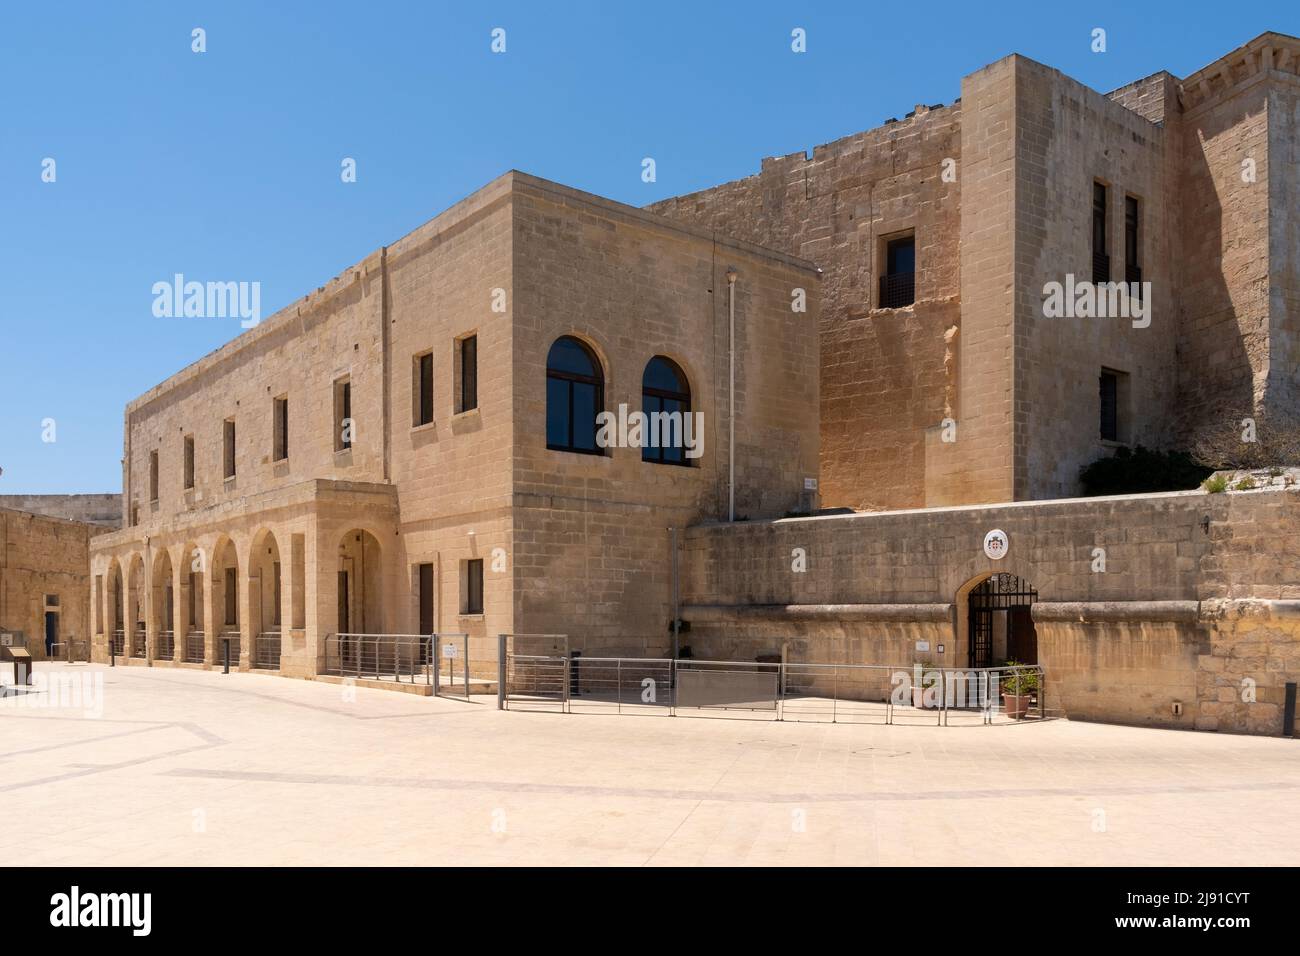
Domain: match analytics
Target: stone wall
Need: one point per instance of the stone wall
(888, 376)
(592, 532)
(105, 509)
(1143, 601)
(43, 557)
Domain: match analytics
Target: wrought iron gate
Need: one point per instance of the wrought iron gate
(1001, 592)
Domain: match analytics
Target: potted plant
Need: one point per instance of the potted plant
(1018, 687)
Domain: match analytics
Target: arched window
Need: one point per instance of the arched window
(666, 401)
(575, 395)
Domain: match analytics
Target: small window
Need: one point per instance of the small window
(343, 414)
(135, 514)
(232, 597)
(666, 401)
(228, 446)
(423, 390)
(1114, 396)
(467, 373)
(575, 395)
(472, 598)
(51, 600)
(188, 457)
(153, 476)
(1100, 258)
(898, 284)
(195, 597)
(280, 427)
(1132, 237)
(426, 599)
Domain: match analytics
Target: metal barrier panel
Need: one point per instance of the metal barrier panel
(538, 671)
(166, 648)
(137, 643)
(835, 693)
(194, 647)
(117, 643)
(706, 685)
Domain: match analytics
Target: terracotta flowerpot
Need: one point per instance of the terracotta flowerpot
(1016, 706)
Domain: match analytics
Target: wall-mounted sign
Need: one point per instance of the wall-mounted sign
(922, 645)
(810, 484)
(996, 544)
(449, 650)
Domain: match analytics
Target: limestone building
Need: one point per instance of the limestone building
(413, 448)
(939, 232)
(43, 580)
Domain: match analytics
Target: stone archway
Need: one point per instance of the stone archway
(998, 623)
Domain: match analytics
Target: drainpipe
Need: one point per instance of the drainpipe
(731, 394)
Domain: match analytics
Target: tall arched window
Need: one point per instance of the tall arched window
(575, 395)
(666, 401)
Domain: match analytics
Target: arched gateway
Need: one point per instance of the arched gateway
(1000, 627)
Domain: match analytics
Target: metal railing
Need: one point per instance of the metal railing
(117, 643)
(381, 656)
(266, 650)
(194, 647)
(166, 646)
(897, 290)
(830, 693)
(138, 643)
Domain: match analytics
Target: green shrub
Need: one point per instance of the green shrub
(1019, 683)
(1245, 484)
(1216, 485)
(1134, 471)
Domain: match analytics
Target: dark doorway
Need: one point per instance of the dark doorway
(51, 632)
(344, 614)
(1002, 601)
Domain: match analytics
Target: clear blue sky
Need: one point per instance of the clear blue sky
(225, 165)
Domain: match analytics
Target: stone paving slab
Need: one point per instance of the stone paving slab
(196, 767)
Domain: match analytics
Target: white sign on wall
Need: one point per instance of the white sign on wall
(922, 645)
(996, 544)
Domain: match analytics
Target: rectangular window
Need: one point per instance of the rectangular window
(196, 593)
(232, 597)
(423, 390)
(1100, 259)
(51, 600)
(153, 476)
(228, 447)
(343, 414)
(189, 461)
(135, 514)
(1132, 259)
(473, 596)
(467, 373)
(280, 427)
(898, 284)
(1114, 399)
(426, 599)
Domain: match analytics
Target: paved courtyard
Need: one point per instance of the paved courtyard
(196, 767)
